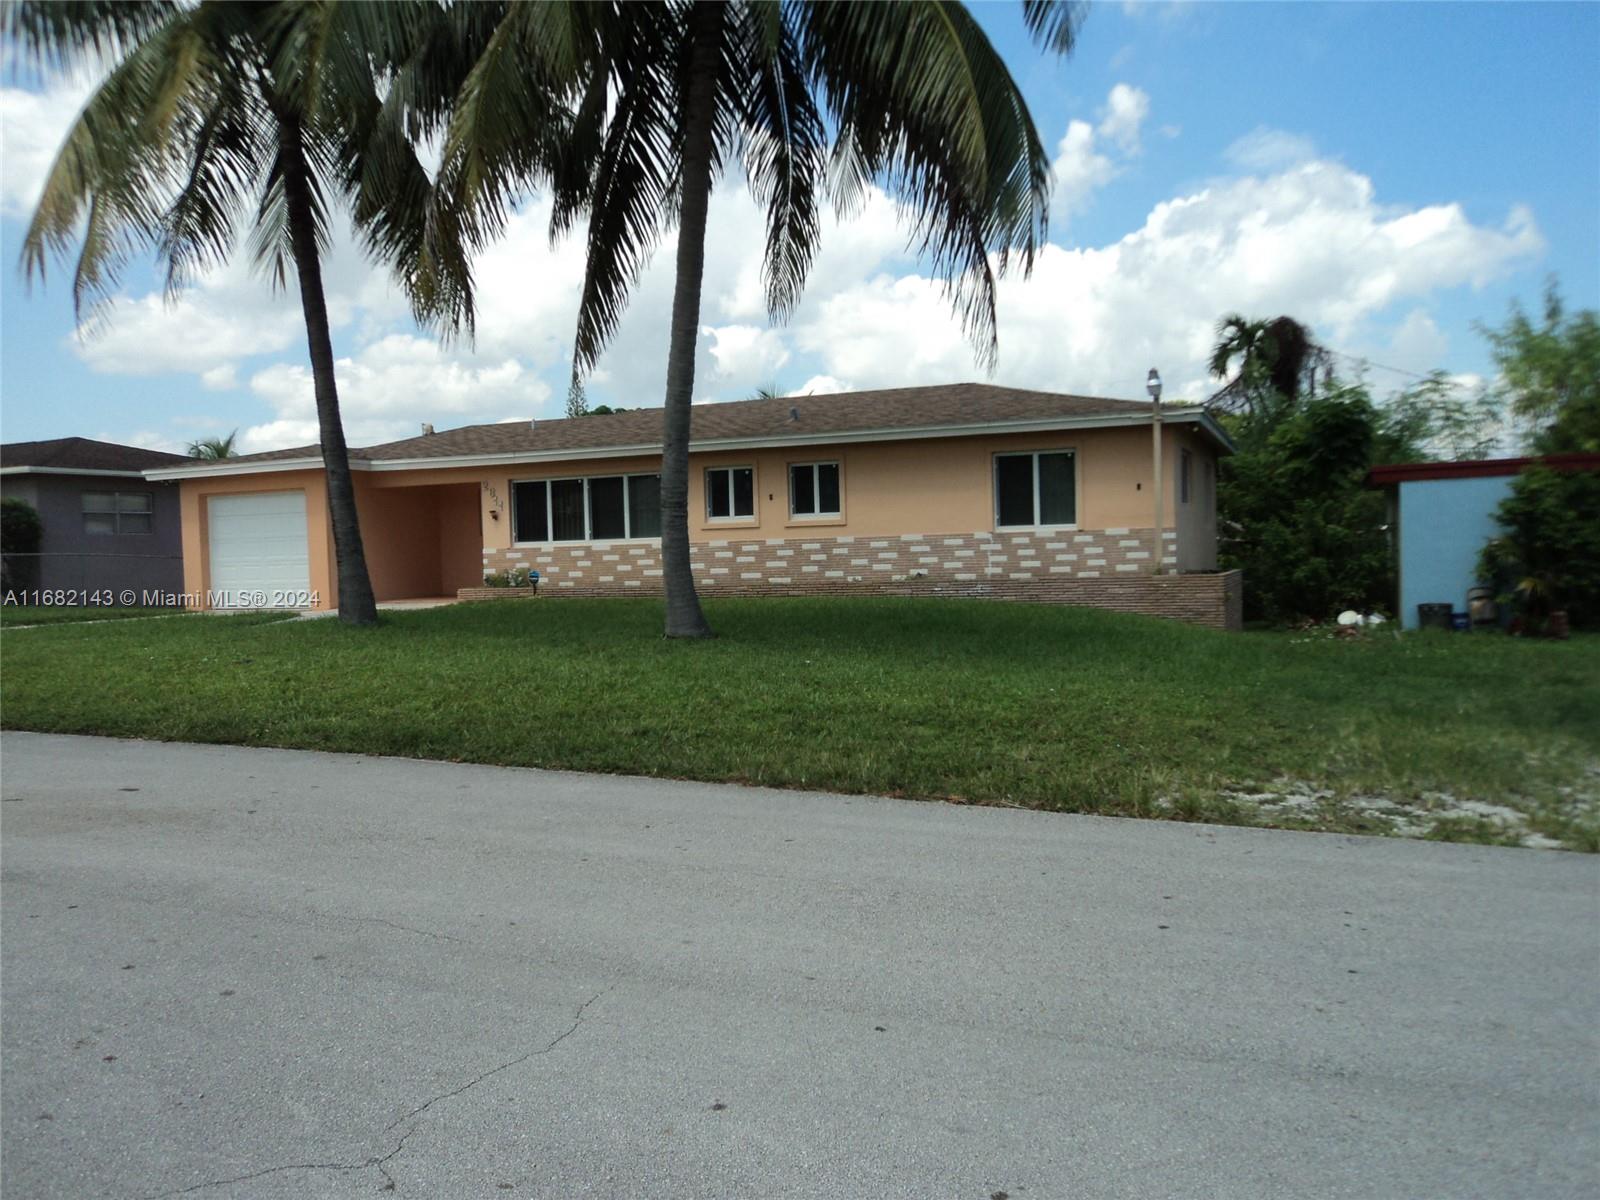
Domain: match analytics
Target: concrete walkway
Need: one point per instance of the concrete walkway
(258, 973)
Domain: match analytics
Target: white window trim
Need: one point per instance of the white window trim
(994, 485)
(816, 490)
(588, 537)
(732, 518)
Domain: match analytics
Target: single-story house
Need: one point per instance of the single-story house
(1440, 516)
(965, 489)
(106, 527)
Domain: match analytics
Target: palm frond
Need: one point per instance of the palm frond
(925, 106)
(1054, 24)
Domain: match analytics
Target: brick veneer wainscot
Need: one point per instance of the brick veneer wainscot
(1106, 568)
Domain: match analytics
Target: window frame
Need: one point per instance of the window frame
(1185, 475)
(815, 466)
(588, 537)
(116, 513)
(733, 518)
(994, 487)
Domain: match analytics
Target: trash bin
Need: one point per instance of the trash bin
(1433, 616)
(1461, 622)
(1480, 603)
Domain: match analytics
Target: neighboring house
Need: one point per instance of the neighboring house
(1440, 516)
(106, 527)
(964, 489)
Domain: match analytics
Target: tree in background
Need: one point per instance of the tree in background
(1295, 514)
(1550, 375)
(666, 98)
(1547, 555)
(213, 448)
(1438, 419)
(1278, 360)
(577, 398)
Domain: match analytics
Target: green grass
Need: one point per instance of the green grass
(16, 614)
(1053, 708)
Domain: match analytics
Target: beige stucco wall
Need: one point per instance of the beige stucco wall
(197, 531)
(417, 530)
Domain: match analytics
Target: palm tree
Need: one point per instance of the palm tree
(1272, 357)
(213, 448)
(658, 100)
(218, 117)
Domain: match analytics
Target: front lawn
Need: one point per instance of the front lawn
(993, 703)
(67, 614)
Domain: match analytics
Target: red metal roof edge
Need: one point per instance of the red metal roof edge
(1478, 468)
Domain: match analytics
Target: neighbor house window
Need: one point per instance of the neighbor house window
(118, 512)
(1185, 475)
(599, 508)
(730, 493)
(814, 489)
(1035, 489)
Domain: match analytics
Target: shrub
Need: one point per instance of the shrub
(1548, 554)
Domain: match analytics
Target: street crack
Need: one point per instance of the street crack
(577, 1020)
(379, 1163)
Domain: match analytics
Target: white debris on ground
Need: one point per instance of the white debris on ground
(1413, 816)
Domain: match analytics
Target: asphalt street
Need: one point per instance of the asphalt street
(261, 973)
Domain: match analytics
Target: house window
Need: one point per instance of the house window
(1035, 489)
(1185, 475)
(730, 493)
(599, 508)
(814, 489)
(118, 512)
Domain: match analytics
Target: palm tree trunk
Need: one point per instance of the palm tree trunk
(684, 618)
(356, 603)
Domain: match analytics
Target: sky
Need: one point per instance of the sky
(1392, 175)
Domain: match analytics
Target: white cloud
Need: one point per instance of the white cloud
(822, 385)
(1125, 111)
(32, 127)
(388, 389)
(220, 379)
(746, 354)
(1266, 149)
(1083, 163)
(1312, 242)
(1079, 169)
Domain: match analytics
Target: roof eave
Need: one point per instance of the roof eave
(1194, 414)
(131, 474)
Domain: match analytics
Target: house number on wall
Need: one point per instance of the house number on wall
(495, 507)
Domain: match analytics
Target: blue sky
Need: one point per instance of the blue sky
(1388, 173)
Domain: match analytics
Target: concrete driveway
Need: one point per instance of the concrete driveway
(260, 973)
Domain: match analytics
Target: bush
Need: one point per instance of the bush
(517, 577)
(21, 531)
(1551, 537)
(21, 535)
(1297, 517)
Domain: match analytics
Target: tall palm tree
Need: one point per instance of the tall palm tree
(221, 117)
(213, 449)
(811, 100)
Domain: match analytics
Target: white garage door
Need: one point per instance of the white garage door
(258, 551)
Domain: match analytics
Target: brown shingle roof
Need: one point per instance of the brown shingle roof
(85, 454)
(939, 406)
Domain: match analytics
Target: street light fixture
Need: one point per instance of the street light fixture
(1152, 384)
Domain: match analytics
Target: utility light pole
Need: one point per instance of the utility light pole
(1153, 386)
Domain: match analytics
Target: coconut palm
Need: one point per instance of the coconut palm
(221, 118)
(811, 101)
(213, 449)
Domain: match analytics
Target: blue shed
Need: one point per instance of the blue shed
(1440, 515)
